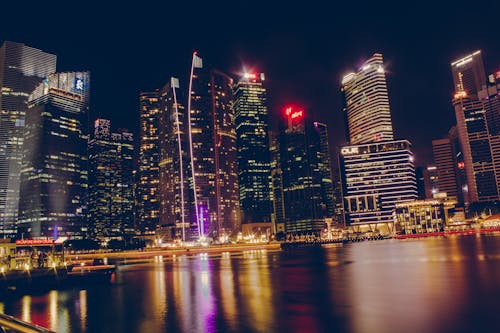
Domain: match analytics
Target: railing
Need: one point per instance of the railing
(12, 324)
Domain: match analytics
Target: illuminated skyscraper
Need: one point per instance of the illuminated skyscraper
(250, 106)
(111, 165)
(376, 170)
(376, 177)
(212, 138)
(446, 165)
(22, 68)
(308, 198)
(470, 79)
(277, 197)
(54, 169)
(174, 166)
(367, 110)
(147, 204)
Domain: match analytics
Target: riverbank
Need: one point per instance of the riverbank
(149, 254)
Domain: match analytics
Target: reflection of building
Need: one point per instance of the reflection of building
(421, 216)
(376, 177)
(147, 204)
(214, 176)
(111, 157)
(22, 68)
(367, 111)
(306, 173)
(250, 106)
(54, 170)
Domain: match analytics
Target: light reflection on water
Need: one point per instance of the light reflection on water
(429, 285)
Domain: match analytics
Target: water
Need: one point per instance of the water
(430, 285)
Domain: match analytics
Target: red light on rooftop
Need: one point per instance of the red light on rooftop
(294, 112)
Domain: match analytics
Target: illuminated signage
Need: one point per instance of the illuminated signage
(349, 150)
(34, 242)
(297, 114)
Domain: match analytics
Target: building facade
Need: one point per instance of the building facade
(22, 69)
(376, 176)
(174, 177)
(366, 108)
(213, 153)
(54, 176)
(147, 201)
(475, 140)
(308, 200)
(251, 116)
(111, 166)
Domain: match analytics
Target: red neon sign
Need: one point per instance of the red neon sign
(293, 112)
(34, 242)
(298, 114)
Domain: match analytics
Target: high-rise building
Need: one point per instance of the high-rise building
(276, 184)
(54, 176)
(22, 68)
(325, 169)
(366, 110)
(308, 200)
(250, 106)
(376, 177)
(213, 153)
(147, 201)
(377, 171)
(447, 168)
(431, 184)
(111, 166)
(469, 79)
(174, 166)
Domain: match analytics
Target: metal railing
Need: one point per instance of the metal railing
(12, 324)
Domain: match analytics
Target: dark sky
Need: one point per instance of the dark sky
(303, 48)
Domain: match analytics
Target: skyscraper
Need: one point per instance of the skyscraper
(250, 106)
(376, 177)
(212, 138)
(469, 79)
(366, 110)
(377, 171)
(54, 177)
(22, 68)
(308, 199)
(174, 185)
(277, 196)
(111, 165)
(147, 205)
(447, 167)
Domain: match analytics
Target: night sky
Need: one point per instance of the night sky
(303, 49)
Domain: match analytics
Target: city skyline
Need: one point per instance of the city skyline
(304, 53)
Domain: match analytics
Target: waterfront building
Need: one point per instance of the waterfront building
(251, 117)
(54, 177)
(376, 176)
(147, 202)
(22, 69)
(111, 165)
(308, 200)
(366, 103)
(174, 185)
(422, 216)
(213, 153)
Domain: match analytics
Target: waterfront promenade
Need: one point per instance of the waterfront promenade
(148, 254)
